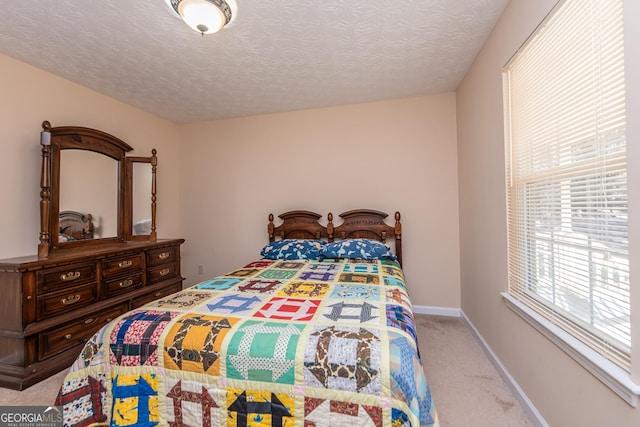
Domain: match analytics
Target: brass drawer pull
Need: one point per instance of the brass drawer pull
(164, 271)
(72, 275)
(164, 255)
(125, 283)
(89, 321)
(125, 264)
(70, 300)
(68, 336)
(158, 294)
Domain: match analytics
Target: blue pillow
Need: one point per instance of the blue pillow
(293, 249)
(62, 237)
(358, 248)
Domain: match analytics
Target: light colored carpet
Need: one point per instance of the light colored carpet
(467, 389)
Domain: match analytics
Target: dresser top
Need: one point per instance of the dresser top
(60, 257)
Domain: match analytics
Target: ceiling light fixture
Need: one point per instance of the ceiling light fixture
(205, 16)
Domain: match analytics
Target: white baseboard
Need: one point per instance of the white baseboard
(437, 311)
(534, 416)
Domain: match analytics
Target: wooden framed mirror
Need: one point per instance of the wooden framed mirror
(140, 218)
(87, 189)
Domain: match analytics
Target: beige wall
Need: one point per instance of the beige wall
(226, 176)
(29, 96)
(394, 155)
(564, 392)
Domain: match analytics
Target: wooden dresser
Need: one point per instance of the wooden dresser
(49, 307)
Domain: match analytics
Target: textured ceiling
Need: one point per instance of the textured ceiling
(278, 55)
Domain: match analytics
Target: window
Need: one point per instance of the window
(566, 176)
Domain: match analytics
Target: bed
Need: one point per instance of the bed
(317, 332)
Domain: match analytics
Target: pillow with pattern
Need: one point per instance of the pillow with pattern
(359, 249)
(293, 249)
(64, 238)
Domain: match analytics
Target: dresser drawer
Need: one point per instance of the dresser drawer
(123, 284)
(121, 265)
(75, 333)
(52, 279)
(162, 272)
(163, 292)
(162, 255)
(64, 301)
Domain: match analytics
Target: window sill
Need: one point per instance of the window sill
(610, 374)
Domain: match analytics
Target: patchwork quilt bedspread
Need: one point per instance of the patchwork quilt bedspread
(275, 343)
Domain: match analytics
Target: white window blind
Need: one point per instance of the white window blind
(566, 175)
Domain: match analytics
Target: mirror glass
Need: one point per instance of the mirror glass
(89, 184)
(141, 203)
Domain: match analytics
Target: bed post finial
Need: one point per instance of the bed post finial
(270, 228)
(330, 227)
(398, 232)
(398, 227)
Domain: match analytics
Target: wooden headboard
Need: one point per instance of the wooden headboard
(359, 223)
(366, 224)
(76, 224)
(297, 225)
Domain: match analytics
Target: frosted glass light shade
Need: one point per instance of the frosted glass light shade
(205, 16)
